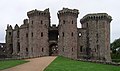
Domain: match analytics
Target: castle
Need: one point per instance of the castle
(36, 37)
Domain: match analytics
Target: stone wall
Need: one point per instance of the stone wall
(98, 32)
(39, 21)
(67, 43)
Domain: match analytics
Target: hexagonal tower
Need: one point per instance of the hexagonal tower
(98, 35)
(39, 21)
(67, 41)
(9, 40)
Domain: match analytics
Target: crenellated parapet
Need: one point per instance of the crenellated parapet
(9, 27)
(67, 11)
(38, 13)
(25, 21)
(16, 27)
(96, 16)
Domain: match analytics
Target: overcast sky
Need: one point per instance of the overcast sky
(14, 11)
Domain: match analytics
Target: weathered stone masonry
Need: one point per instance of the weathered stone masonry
(37, 38)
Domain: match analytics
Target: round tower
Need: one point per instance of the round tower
(9, 40)
(67, 42)
(39, 21)
(98, 35)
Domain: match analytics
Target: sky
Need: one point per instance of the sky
(15, 11)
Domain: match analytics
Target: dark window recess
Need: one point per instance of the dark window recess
(32, 49)
(26, 49)
(26, 34)
(18, 45)
(63, 34)
(63, 49)
(41, 34)
(32, 34)
(97, 41)
(86, 24)
(59, 21)
(97, 47)
(32, 22)
(72, 34)
(42, 49)
(41, 22)
(63, 21)
(9, 33)
(97, 37)
(72, 49)
(17, 34)
(81, 48)
(72, 22)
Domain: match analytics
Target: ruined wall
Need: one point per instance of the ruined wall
(9, 40)
(15, 40)
(39, 21)
(98, 35)
(67, 42)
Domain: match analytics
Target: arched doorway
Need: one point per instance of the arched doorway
(53, 49)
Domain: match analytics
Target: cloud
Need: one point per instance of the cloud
(14, 11)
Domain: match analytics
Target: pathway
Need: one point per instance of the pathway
(36, 64)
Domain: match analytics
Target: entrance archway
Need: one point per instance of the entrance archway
(53, 49)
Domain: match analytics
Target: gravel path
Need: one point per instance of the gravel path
(36, 64)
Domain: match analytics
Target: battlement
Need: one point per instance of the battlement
(38, 13)
(67, 11)
(9, 27)
(25, 21)
(96, 16)
(16, 27)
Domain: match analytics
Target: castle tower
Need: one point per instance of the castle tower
(24, 39)
(16, 47)
(9, 40)
(39, 21)
(67, 41)
(98, 35)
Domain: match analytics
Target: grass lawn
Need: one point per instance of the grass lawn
(10, 63)
(65, 64)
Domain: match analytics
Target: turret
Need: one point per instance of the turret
(98, 35)
(39, 13)
(39, 22)
(67, 43)
(25, 21)
(96, 16)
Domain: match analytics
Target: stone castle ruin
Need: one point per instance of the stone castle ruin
(36, 37)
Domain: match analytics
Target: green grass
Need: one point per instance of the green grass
(10, 63)
(65, 64)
